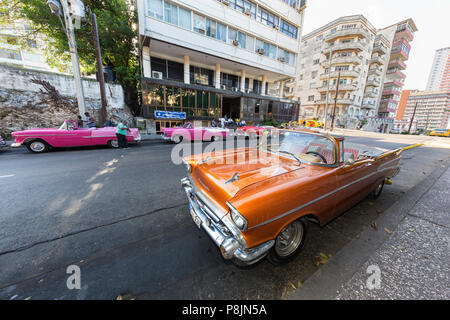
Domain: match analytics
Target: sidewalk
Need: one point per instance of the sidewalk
(410, 247)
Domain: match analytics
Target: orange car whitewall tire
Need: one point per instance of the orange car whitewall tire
(289, 242)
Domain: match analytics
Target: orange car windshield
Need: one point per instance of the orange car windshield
(310, 148)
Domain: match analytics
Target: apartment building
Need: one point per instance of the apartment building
(370, 62)
(341, 49)
(210, 58)
(16, 50)
(400, 35)
(439, 79)
(428, 109)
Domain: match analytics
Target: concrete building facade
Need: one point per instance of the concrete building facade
(357, 54)
(432, 110)
(439, 78)
(213, 58)
(15, 50)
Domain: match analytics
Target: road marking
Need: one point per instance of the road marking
(8, 176)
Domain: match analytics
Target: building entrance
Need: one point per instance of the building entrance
(231, 108)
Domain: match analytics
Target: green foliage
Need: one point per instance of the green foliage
(271, 122)
(116, 20)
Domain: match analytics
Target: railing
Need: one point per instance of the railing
(336, 60)
(344, 73)
(347, 32)
(377, 60)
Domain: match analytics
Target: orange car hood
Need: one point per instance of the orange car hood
(213, 175)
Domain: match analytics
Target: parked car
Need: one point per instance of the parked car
(188, 133)
(252, 131)
(260, 206)
(69, 135)
(440, 133)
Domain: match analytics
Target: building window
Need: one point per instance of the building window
(288, 29)
(311, 98)
(267, 18)
(199, 24)
(170, 13)
(155, 9)
(10, 54)
(257, 85)
(221, 32)
(201, 76)
(229, 80)
(211, 28)
(185, 19)
(316, 61)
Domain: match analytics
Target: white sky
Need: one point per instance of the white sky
(432, 18)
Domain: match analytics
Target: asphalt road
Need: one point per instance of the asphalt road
(121, 216)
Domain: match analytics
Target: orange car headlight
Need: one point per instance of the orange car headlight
(237, 218)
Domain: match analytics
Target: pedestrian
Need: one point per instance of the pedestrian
(89, 120)
(80, 122)
(110, 122)
(121, 133)
(213, 123)
(222, 123)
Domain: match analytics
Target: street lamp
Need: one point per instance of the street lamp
(55, 7)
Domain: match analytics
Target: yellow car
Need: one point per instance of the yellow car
(440, 133)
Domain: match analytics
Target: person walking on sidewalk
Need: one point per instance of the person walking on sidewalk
(121, 133)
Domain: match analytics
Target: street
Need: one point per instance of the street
(122, 217)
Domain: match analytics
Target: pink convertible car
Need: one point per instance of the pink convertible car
(189, 133)
(69, 135)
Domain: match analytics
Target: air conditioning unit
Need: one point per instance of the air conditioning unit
(223, 87)
(157, 75)
(248, 90)
(247, 12)
(275, 27)
(235, 43)
(235, 89)
(282, 59)
(225, 2)
(260, 51)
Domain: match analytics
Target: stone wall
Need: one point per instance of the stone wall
(25, 105)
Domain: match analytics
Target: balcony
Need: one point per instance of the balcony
(371, 94)
(396, 74)
(342, 87)
(375, 72)
(379, 49)
(377, 60)
(397, 63)
(373, 83)
(391, 92)
(360, 32)
(356, 46)
(351, 60)
(399, 54)
(389, 101)
(368, 105)
(393, 83)
(404, 34)
(344, 73)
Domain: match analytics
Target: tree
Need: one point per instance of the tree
(116, 19)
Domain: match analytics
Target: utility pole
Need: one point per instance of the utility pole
(74, 57)
(335, 100)
(428, 118)
(412, 119)
(98, 54)
(328, 89)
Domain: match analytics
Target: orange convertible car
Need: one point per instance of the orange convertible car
(256, 202)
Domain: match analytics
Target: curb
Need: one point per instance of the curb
(326, 282)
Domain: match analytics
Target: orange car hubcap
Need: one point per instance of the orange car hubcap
(289, 239)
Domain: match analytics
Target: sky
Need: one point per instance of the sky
(432, 18)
